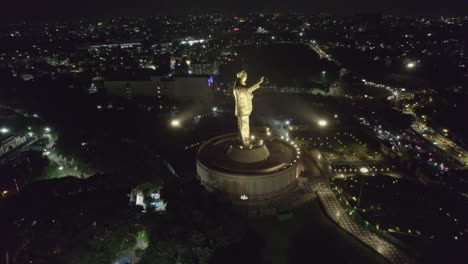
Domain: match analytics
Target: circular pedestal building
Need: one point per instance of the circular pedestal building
(257, 173)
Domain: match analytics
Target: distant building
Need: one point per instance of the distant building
(130, 89)
(123, 45)
(183, 88)
(9, 143)
(206, 68)
(147, 195)
(261, 30)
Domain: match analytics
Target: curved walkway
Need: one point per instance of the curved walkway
(339, 215)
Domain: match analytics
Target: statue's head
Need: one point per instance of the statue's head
(242, 76)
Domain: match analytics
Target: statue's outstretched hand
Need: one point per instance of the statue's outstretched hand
(261, 80)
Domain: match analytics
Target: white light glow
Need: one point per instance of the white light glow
(322, 123)
(175, 123)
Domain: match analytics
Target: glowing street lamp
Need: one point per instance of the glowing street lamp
(47, 129)
(364, 170)
(175, 123)
(4, 130)
(322, 123)
(410, 65)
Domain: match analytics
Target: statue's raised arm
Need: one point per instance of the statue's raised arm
(256, 85)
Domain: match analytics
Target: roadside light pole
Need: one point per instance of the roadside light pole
(360, 192)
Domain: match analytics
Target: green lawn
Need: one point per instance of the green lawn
(340, 145)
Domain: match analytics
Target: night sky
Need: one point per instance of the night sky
(52, 9)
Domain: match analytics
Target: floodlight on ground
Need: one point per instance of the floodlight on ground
(322, 123)
(175, 123)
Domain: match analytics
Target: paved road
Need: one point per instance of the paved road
(338, 214)
(443, 143)
(319, 183)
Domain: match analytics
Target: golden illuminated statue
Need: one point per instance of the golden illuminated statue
(243, 100)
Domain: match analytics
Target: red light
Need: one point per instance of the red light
(236, 29)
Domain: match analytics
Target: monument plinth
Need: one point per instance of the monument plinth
(260, 173)
(255, 152)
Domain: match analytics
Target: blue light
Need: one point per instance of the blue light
(210, 80)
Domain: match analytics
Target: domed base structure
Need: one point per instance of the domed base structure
(255, 173)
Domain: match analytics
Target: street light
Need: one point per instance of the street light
(322, 123)
(47, 129)
(364, 170)
(410, 65)
(4, 130)
(175, 123)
